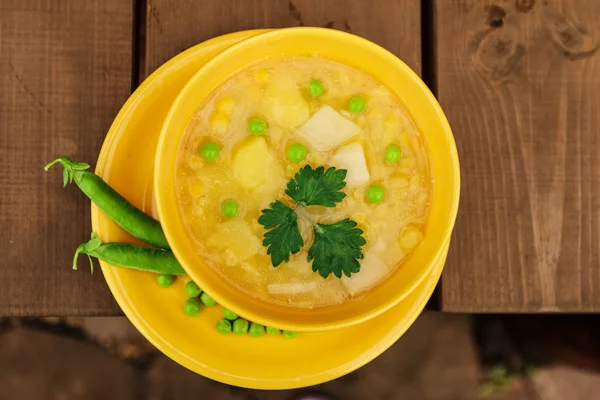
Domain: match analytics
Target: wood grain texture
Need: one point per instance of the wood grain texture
(65, 70)
(175, 25)
(520, 83)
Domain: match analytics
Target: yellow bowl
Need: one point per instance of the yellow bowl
(158, 313)
(385, 68)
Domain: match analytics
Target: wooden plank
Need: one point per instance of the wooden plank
(65, 69)
(174, 25)
(520, 83)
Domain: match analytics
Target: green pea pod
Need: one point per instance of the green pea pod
(129, 256)
(125, 214)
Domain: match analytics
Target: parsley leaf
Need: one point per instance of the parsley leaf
(337, 248)
(285, 238)
(317, 187)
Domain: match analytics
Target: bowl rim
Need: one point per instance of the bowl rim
(173, 233)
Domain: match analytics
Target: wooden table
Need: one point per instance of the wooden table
(519, 81)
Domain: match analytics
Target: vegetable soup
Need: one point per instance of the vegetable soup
(303, 181)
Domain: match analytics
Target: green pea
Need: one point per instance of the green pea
(315, 88)
(273, 331)
(230, 315)
(240, 326)
(356, 104)
(230, 208)
(192, 289)
(256, 330)
(375, 194)
(290, 334)
(392, 153)
(191, 307)
(296, 152)
(210, 151)
(164, 281)
(223, 326)
(207, 300)
(257, 126)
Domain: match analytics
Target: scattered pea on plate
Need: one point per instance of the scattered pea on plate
(290, 334)
(164, 281)
(192, 289)
(207, 300)
(223, 326)
(273, 331)
(191, 307)
(230, 315)
(240, 326)
(256, 330)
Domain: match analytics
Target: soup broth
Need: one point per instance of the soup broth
(259, 123)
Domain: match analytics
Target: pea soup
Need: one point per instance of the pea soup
(303, 181)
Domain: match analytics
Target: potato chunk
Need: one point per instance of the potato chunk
(327, 129)
(285, 103)
(236, 238)
(253, 163)
(372, 271)
(352, 158)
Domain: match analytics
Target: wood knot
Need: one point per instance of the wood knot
(498, 54)
(524, 5)
(495, 16)
(572, 40)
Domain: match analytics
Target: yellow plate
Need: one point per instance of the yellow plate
(126, 162)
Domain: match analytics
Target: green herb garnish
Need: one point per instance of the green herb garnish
(284, 237)
(317, 187)
(337, 247)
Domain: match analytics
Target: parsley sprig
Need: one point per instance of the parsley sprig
(284, 238)
(317, 187)
(337, 247)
